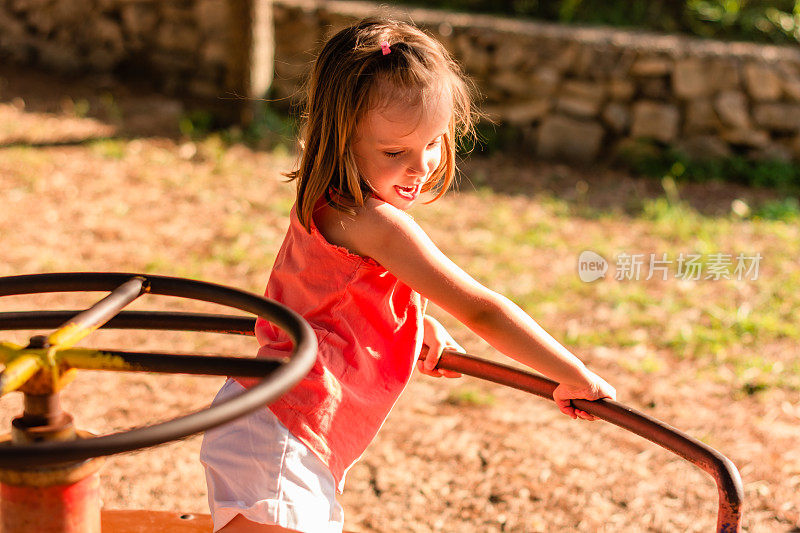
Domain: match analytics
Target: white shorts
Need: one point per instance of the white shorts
(256, 468)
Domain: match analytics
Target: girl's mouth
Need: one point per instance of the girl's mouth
(409, 193)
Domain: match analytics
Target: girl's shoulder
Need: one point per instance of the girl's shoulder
(391, 238)
(370, 222)
(330, 223)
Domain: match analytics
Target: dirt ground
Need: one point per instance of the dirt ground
(445, 461)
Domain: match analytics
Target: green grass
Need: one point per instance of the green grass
(469, 397)
(649, 364)
(110, 148)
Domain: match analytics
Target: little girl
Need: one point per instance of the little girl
(386, 106)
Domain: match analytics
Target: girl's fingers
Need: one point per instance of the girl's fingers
(434, 353)
(451, 345)
(566, 407)
(433, 373)
(428, 365)
(438, 372)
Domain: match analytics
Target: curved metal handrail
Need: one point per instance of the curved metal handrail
(722, 469)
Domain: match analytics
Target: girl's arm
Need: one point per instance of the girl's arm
(392, 238)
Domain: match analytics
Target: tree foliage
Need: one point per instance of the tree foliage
(766, 21)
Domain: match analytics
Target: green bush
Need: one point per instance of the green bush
(196, 123)
(647, 159)
(268, 129)
(786, 209)
(767, 21)
(272, 127)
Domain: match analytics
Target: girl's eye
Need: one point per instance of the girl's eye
(432, 144)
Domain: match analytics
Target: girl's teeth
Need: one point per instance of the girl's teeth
(407, 191)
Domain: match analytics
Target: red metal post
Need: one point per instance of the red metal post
(63, 508)
(63, 498)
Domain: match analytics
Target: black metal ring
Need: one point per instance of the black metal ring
(276, 380)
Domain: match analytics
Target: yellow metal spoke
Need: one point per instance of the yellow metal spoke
(8, 351)
(69, 334)
(23, 363)
(18, 371)
(86, 322)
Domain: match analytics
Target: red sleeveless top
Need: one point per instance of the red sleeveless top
(369, 328)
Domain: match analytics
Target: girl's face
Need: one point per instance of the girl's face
(398, 145)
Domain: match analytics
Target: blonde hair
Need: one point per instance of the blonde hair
(350, 77)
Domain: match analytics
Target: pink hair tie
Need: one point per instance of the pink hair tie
(385, 47)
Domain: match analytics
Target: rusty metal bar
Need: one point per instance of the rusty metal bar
(152, 320)
(722, 469)
(170, 363)
(89, 320)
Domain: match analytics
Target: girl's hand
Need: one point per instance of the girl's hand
(594, 388)
(436, 338)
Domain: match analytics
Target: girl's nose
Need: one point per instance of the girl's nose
(420, 165)
(415, 170)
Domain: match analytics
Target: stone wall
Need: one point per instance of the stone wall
(573, 93)
(582, 93)
(193, 48)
